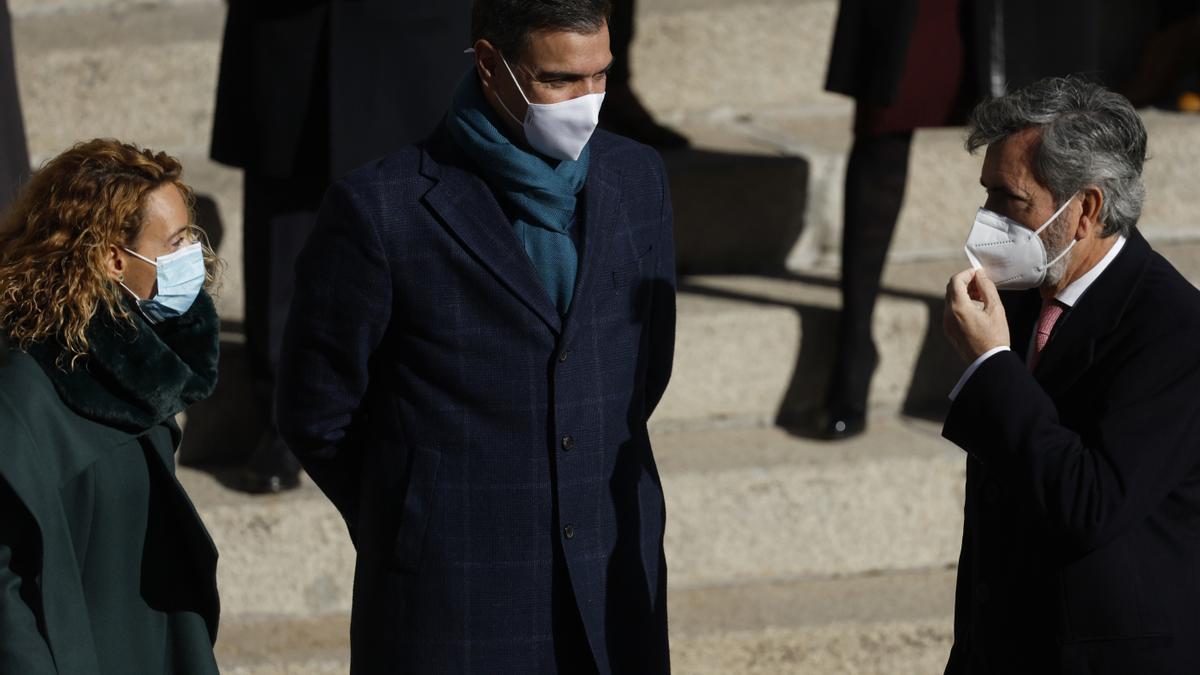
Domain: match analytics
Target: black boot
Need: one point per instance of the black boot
(272, 468)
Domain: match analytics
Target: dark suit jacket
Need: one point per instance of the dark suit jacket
(318, 87)
(469, 435)
(1081, 548)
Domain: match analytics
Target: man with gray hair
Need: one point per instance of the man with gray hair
(1080, 410)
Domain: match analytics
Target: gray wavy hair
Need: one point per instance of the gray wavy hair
(1089, 136)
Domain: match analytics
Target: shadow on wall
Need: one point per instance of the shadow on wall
(936, 370)
(743, 214)
(735, 214)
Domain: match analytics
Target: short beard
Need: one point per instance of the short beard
(1059, 237)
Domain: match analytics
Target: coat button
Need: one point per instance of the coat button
(562, 356)
(569, 531)
(568, 443)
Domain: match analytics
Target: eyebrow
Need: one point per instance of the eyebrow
(1007, 191)
(180, 231)
(553, 75)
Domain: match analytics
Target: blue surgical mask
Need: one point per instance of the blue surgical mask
(180, 277)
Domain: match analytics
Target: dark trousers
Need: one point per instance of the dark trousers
(14, 156)
(875, 178)
(279, 216)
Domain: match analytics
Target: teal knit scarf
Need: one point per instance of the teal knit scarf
(540, 194)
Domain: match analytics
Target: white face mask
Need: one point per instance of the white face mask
(1013, 256)
(558, 130)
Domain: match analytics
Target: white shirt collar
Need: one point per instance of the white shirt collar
(1071, 294)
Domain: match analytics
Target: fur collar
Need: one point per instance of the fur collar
(136, 377)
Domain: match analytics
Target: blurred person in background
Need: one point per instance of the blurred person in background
(911, 64)
(484, 323)
(1079, 410)
(105, 567)
(1157, 47)
(14, 157)
(307, 91)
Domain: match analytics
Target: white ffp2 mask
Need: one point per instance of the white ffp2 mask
(558, 130)
(1013, 256)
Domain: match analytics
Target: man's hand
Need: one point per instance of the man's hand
(974, 319)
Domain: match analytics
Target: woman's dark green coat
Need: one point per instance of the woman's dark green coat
(105, 567)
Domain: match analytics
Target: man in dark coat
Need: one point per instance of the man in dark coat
(483, 325)
(14, 157)
(309, 90)
(1079, 411)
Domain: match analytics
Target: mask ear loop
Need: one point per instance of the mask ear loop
(1054, 217)
(514, 79)
(121, 281)
(1061, 255)
(1057, 213)
(519, 89)
(129, 290)
(139, 256)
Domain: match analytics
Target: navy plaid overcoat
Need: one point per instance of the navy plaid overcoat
(490, 457)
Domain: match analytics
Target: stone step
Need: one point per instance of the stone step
(145, 70)
(943, 190)
(750, 351)
(897, 623)
(744, 505)
(761, 192)
(759, 350)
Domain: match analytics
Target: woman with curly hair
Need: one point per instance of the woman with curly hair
(105, 566)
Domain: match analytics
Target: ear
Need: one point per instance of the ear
(1091, 202)
(487, 60)
(115, 264)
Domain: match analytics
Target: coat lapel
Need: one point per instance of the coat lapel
(1072, 347)
(601, 215)
(468, 208)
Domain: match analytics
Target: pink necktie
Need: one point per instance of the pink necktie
(1051, 310)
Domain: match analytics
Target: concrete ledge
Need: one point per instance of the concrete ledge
(695, 56)
(36, 8)
(146, 70)
(147, 76)
(863, 626)
(762, 192)
(759, 349)
(752, 505)
(943, 191)
(749, 349)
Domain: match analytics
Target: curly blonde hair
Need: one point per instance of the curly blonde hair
(56, 236)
